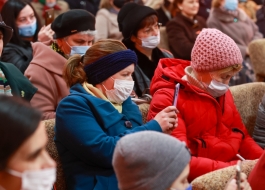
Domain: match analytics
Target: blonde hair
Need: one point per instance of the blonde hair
(216, 3)
(235, 68)
(74, 70)
(154, 4)
(105, 4)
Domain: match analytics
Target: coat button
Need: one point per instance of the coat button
(128, 124)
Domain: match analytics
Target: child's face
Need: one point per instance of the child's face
(182, 181)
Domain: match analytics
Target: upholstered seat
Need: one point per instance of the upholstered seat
(246, 97)
(257, 56)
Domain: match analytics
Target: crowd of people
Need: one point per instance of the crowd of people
(91, 67)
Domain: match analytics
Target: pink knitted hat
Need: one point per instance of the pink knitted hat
(214, 50)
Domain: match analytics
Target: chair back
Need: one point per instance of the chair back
(247, 98)
(257, 57)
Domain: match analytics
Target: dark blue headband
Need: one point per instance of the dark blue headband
(109, 65)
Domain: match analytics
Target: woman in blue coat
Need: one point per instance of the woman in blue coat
(98, 112)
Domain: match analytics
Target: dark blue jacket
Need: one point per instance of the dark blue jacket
(86, 132)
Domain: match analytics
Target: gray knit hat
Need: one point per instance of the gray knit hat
(149, 160)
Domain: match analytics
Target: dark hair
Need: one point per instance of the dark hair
(18, 122)
(74, 70)
(10, 12)
(147, 21)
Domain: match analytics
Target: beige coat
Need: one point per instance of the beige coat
(45, 73)
(39, 9)
(107, 25)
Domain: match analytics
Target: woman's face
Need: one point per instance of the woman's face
(189, 8)
(147, 31)
(223, 77)
(31, 155)
(182, 181)
(26, 16)
(125, 74)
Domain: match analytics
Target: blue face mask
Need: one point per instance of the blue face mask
(28, 30)
(81, 50)
(231, 5)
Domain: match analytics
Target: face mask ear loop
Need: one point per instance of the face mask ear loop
(14, 173)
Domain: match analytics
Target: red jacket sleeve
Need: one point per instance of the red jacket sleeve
(257, 175)
(200, 166)
(157, 105)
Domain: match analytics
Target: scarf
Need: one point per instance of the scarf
(97, 93)
(56, 48)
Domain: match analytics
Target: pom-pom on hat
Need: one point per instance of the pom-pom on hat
(214, 50)
(149, 160)
(73, 21)
(130, 17)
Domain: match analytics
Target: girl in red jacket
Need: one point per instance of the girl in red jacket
(208, 120)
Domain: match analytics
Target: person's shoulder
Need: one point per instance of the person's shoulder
(103, 12)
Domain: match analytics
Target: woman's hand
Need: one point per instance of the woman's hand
(244, 185)
(167, 119)
(45, 34)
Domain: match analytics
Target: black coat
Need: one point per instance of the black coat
(19, 84)
(17, 55)
(89, 5)
(145, 68)
(182, 33)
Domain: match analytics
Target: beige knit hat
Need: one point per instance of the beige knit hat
(214, 50)
(149, 161)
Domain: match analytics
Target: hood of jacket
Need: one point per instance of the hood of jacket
(226, 16)
(168, 72)
(45, 57)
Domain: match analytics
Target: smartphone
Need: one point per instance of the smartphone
(49, 16)
(238, 171)
(175, 98)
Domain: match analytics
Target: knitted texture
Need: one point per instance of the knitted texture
(149, 160)
(214, 50)
(109, 65)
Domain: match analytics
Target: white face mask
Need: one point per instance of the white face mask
(216, 89)
(122, 90)
(36, 180)
(151, 42)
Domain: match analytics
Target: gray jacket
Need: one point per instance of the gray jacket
(259, 129)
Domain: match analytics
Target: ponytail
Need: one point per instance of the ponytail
(73, 71)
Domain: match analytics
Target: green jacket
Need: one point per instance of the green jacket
(20, 85)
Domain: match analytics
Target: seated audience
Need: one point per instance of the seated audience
(12, 81)
(138, 164)
(162, 8)
(19, 15)
(98, 112)
(24, 161)
(140, 29)
(74, 30)
(40, 6)
(228, 18)
(208, 120)
(106, 20)
(259, 129)
(184, 28)
(257, 175)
